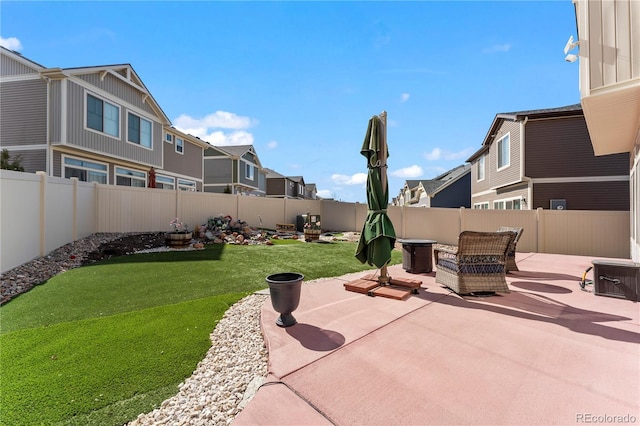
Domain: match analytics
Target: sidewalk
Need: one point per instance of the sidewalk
(546, 353)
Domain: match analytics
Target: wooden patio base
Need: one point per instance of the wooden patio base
(398, 288)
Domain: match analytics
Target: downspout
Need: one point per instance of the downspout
(524, 178)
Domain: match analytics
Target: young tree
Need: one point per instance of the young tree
(7, 164)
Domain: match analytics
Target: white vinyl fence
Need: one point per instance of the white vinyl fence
(39, 213)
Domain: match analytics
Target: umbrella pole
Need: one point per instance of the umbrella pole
(384, 277)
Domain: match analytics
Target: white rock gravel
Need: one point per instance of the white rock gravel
(226, 379)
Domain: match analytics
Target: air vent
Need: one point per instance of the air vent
(559, 204)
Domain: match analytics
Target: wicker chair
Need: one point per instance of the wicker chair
(511, 253)
(476, 265)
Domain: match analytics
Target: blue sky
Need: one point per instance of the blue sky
(300, 80)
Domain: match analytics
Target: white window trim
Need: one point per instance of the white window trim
(127, 127)
(181, 145)
(167, 140)
(508, 163)
(482, 160)
(505, 200)
(89, 129)
(186, 185)
(172, 179)
(248, 171)
(479, 205)
(146, 176)
(64, 166)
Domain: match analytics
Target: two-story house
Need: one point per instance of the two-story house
(280, 186)
(235, 169)
(98, 124)
(451, 189)
(544, 158)
(609, 53)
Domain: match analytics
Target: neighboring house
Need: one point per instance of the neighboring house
(182, 159)
(235, 169)
(310, 191)
(98, 124)
(451, 189)
(609, 54)
(280, 186)
(544, 159)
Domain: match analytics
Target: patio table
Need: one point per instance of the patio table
(417, 255)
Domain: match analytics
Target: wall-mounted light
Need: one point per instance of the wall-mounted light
(571, 57)
(570, 46)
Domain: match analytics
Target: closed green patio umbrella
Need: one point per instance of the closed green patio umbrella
(378, 236)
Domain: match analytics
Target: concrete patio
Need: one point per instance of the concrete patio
(546, 353)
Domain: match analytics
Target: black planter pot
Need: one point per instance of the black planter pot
(285, 295)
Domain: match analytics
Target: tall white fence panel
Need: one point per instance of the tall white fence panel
(40, 213)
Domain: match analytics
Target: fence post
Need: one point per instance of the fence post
(74, 207)
(461, 223)
(539, 230)
(43, 216)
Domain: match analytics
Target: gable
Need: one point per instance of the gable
(14, 64)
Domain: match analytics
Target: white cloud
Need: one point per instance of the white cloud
(408, 172)
(205, 128)
(404, 97)
(497, 48)
(11, 43)
(221, 139)
(325, 193)
(217, 120)
(356, 179)
(272, 145)
(439, 154)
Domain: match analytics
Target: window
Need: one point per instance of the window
(481, 206)
(103, 116)
(480, 175)
(85, 171)
(513, 204)
(165, 182)
(179, 146)
(300, 189)
(186, 185)
(139, 130)
(503, 152)
(248, 171)
(127, 177)
(168, 138)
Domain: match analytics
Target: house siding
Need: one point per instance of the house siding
(511, 173)
(213, 152)
(120, 89)
(77, 134)
(55, 111)
(454, 195)
(562, 148)
(31, 160)
(11, 67)
(189, 163)
(23, 113)
(217, 171)
(584, 195)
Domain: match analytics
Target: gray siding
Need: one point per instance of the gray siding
(562, 148)
(584, 195)
(485, 184)
(11, 67)
(32, 160)
(243, 176)
(217, 171)
(119, 89)
(213, 152)
(79, 136)
(509, 174)
(23, 113)
(55, 111)
(188, 163)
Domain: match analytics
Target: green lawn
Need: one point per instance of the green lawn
(102, 343)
